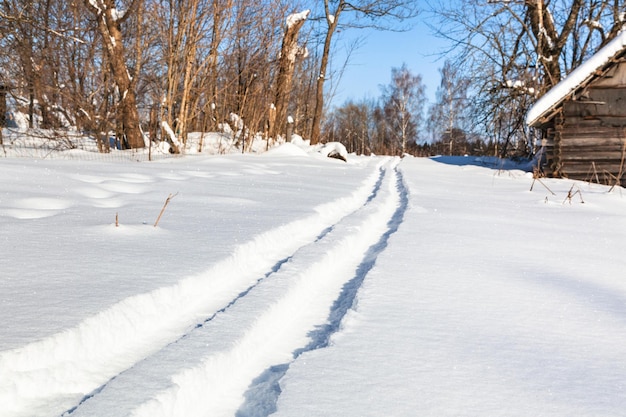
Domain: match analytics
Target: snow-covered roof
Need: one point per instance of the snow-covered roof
(576, 78)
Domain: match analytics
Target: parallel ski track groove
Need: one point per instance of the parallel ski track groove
(382, 171)
(214, 379)
(263, 405)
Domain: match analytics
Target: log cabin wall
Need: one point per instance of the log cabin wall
(551, 141)
(589, 134)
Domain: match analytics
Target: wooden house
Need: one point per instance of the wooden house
(583, 119)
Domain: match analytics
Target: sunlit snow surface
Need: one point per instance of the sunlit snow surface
(295, 285)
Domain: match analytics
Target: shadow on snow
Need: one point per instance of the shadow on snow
(262, 395)
(486, 161)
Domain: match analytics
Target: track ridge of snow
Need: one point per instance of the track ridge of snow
(216, 386)
(346, 300)
(82, 359)
(267, 327)
(263, 394)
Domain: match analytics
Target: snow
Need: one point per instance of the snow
(170, 133)
(594, 24)
(294, 18)
(578, 76)
(334, 148)
(97, 5)
(292, 284)
(117, 14)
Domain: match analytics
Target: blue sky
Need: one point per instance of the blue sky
(370, 65)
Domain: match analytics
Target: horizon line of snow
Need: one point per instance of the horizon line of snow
(53, 371)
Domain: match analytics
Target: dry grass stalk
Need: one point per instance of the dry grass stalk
(571, 193)
(592, 173)
(536, 175)
(167, 200)
(618, 178)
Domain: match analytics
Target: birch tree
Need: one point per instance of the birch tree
(403, 103)
(450, 111)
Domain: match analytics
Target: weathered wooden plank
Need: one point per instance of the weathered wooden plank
(610, 165)
(590, 150)
(593, 143)
(600, 156)
(590, 136)
(584, 166)
(582, 122)
(593, 129)
(604, 176)
(586, 128)
(593, 121)
(615, 77)
(586, 156)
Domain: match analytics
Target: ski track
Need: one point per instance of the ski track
(89, 357)
(268, 326)
(262, 395)
(237, 355)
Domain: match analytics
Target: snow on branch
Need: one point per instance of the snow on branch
(99, 7)
(594, 24)
(95, 4)
(117, 14)
(292, 19)
(170, 133)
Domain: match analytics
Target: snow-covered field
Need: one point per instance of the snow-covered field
(290, 284)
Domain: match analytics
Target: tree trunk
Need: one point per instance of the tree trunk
(286, 67)
(319, 93)
(127, 115)
(3, 109)
(550, 43)
(220, 8)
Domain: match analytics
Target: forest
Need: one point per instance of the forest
(156, 70)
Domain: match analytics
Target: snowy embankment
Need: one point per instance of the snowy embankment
(301, 286)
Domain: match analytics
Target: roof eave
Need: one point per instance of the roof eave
(579, 78)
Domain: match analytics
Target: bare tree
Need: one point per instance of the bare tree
(362, 13)
(109, 21)
(351, 124)
(248, 65)
(26, 38)
(286, 67)
(3, 109)
(185, 54)
(107, 65)
(221, 9)
(515, 50)
(50, 39)
(450, 111)
(403, 103)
